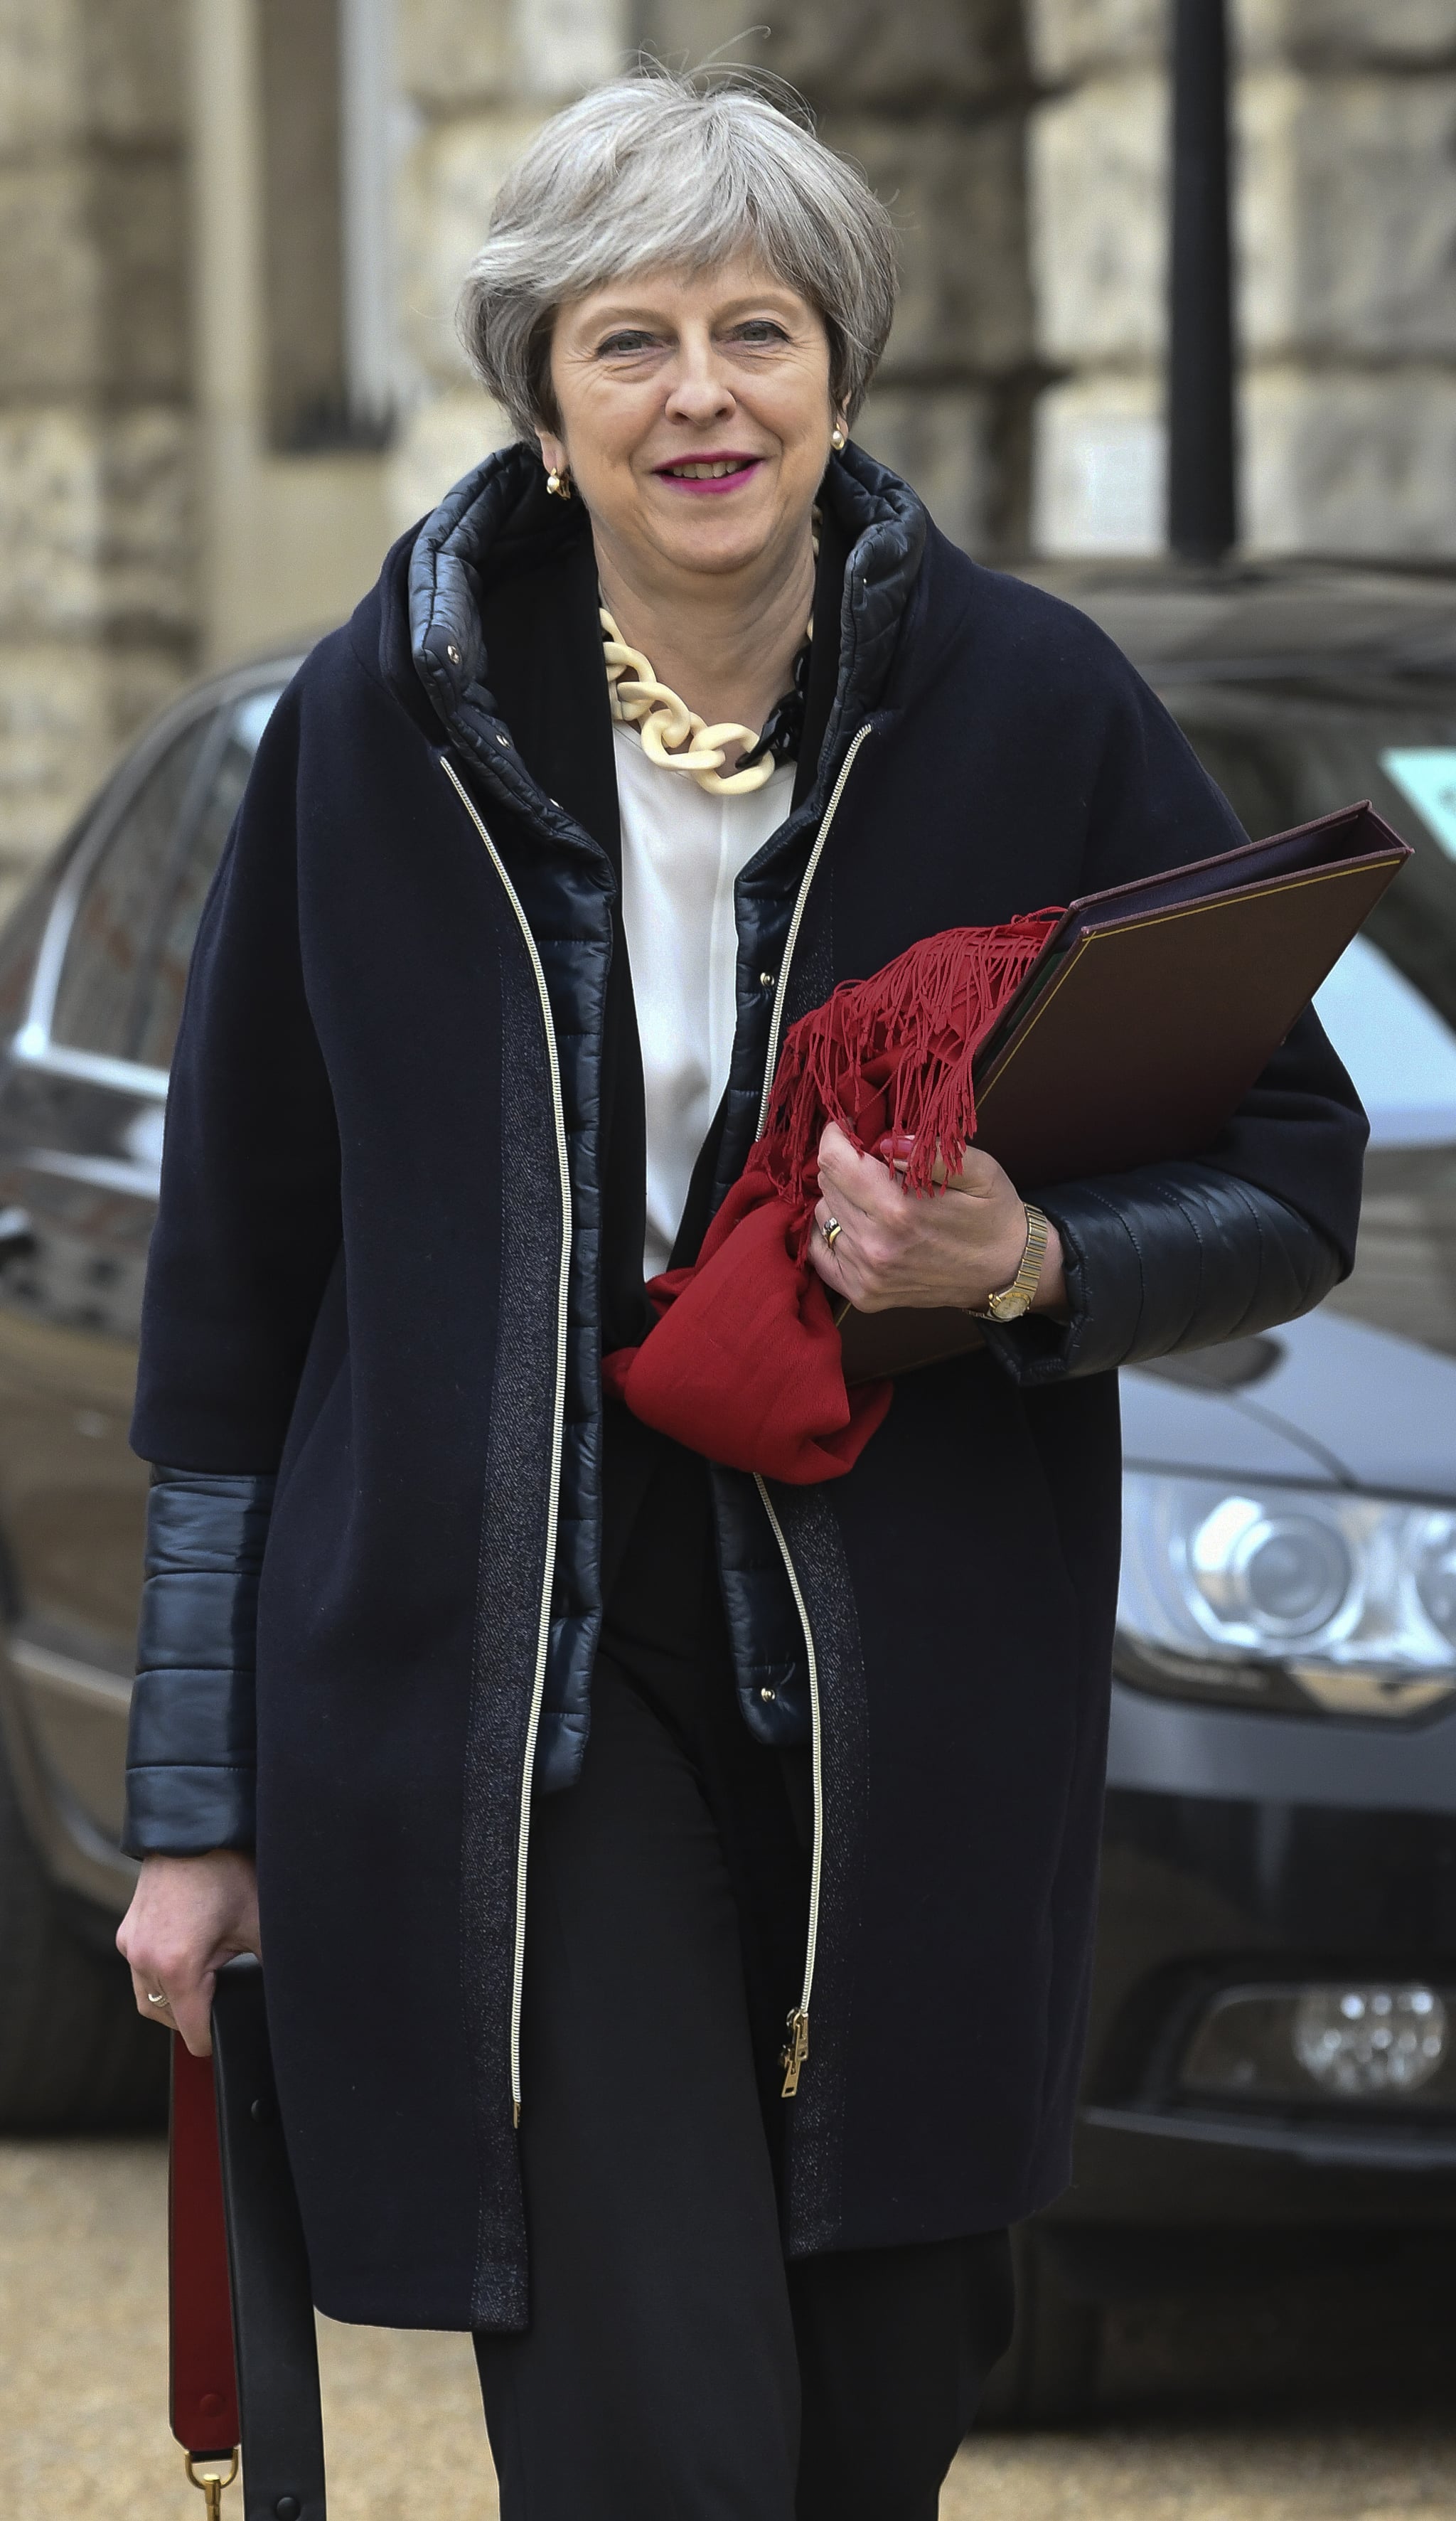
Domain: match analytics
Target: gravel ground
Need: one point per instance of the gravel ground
(1313, 2396)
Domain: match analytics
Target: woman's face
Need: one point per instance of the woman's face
(694, 414)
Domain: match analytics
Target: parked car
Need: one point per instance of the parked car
(1273, 2032)
(1273, 2029)
(92, 968)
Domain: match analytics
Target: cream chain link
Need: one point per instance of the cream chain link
(662, 719)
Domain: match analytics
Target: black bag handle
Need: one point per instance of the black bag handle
(280, 2414)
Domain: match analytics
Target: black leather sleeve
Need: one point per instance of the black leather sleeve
(1172, 1255)
(190, 1758)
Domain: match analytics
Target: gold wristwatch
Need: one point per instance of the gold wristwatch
(1008, 1304)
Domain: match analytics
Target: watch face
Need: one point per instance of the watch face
(1010, 1308)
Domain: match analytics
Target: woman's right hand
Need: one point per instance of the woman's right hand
(188, 1915)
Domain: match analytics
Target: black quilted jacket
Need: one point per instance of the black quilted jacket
(402, 1199)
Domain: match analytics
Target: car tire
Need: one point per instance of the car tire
(75, 2056)
(1048, 2374)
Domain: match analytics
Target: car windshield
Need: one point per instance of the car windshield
(1282, 754)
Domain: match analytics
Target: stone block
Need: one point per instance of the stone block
(1355, 463)
(448, 184)
(563, 46)
(1329, 32)
(1347, 215)
(940, 439)
(452, 54)
(442, 440)
(111, 69)
(136, 67)
(95, 523)
(138, 219)
(1069, 39)
(1098, 217)
(1100, 467)
(39, 103)
(291, 542)
(92, 278)
(66, 708)
(956, 193)
(458, 53)
(846, 55)
(48, 280)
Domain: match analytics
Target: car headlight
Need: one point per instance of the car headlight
(1382, 2042)
(1308, 1599)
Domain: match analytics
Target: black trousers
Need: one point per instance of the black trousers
(675, 2367)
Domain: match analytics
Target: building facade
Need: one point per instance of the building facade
(1344, 126)
(232, 232)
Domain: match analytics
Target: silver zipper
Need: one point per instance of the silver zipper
(795, 2053)
(543, 1634)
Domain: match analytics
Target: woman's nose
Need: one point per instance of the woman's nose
(700, 393)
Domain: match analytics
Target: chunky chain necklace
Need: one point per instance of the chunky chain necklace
(677, 738)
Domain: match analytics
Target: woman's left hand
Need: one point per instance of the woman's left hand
(923, 1247)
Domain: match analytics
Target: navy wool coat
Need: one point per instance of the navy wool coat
(402, 1170)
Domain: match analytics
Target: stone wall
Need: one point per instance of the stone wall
(97, 607)
(1345, 125)
(929, 101)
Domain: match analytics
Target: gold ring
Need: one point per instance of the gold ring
(157, 1999)
(832, 1232)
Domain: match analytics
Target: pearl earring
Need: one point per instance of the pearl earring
(837, 438)
(558, 484)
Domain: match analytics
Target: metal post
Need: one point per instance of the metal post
(1201, 499)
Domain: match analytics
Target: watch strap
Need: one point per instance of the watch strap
(1009, 1302)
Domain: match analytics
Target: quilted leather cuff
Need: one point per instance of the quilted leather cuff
(1173, 1256)
(190, 1762)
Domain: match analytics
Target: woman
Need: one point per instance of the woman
(478, 1025)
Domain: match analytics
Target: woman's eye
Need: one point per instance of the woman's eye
(624, 346)
(760, 332)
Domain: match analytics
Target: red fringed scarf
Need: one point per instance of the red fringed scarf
(744, 1363)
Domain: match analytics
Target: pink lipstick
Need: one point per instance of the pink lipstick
(709, 474)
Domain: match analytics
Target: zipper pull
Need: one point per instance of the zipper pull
(794, 2055)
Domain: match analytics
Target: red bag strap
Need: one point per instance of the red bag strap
(204, 2376)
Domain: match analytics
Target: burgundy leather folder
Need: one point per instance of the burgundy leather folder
(1144, 1022)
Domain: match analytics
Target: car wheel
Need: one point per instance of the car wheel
(1048, 2374)
(74, 2054)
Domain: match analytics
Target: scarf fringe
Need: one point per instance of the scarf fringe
(891, 1056)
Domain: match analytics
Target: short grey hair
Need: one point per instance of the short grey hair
(664, 170)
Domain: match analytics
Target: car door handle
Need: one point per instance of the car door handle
(16, 1232)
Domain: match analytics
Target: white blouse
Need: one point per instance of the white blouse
(683, 851)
